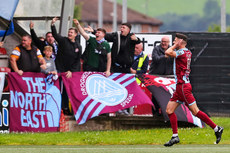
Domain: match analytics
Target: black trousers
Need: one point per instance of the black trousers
(65, 98)
(121, 69)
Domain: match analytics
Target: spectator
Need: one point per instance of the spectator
(68, 58)
(48, 41)
(141, 61)
(69, 53)
(26, 57)
(97, 53)
(1, 44)
(161, 65)
(50, 65)
(122, 49)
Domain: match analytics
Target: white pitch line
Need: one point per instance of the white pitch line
(46, 148)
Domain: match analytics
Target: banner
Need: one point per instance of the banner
(4, 113)
(162, 89)
(35, 105)
(92, 94)
(2, 81)
(7, 8)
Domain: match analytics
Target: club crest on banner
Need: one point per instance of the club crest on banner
(105, 90)
(92, 93)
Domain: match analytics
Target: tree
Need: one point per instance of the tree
(193, 22)
(212, 10)
(217, 28)
(77, 11)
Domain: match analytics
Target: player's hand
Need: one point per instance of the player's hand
(31, 25)
(68, 74)
(178, 43)
(89, 29)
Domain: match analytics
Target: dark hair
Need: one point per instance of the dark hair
(128, 25)
(26, 35)
(48, 33)
(182, 36)
(102, 30)
(41, 38)
(73, 28)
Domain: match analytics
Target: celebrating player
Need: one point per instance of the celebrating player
(182, 59)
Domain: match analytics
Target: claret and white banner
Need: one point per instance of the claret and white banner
(35, 105)
(92, 94)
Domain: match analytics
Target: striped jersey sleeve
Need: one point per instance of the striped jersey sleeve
(179, 52)
(39, 54)
(16, 53)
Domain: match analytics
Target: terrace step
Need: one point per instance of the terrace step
(102, 123)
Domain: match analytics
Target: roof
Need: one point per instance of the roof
(90, 13)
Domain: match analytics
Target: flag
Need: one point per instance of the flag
(162, 89)
(8, 8)
(92, 94)
(9, 31)
(35, 105)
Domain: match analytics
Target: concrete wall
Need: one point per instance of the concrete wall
(10, 43)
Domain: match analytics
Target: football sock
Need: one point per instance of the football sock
(216, 129)
(173, 121)
(204, 117)
(175, 135)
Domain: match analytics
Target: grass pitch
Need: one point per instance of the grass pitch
(192, 140)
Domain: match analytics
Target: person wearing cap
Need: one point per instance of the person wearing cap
(97, 56)
(123, 47)
(183, 94)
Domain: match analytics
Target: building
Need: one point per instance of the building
(89, 16)
(140, 22)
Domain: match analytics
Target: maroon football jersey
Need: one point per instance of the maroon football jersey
(181, 66)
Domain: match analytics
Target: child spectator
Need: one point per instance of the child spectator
(50, 65)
